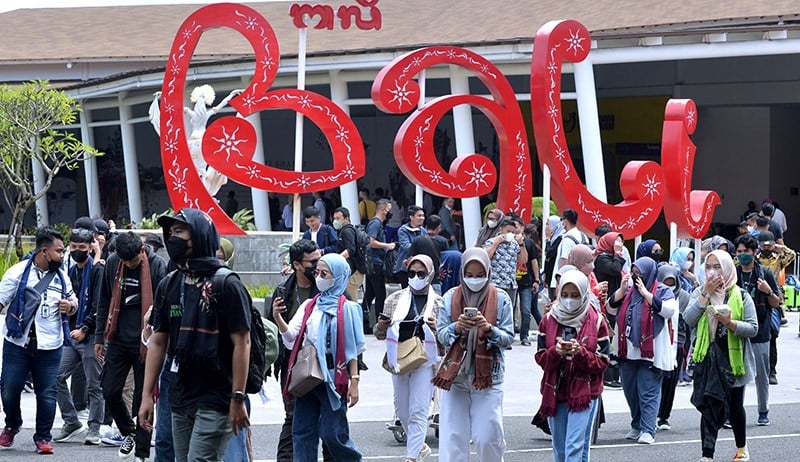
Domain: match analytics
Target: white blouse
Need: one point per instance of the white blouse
(312, 327)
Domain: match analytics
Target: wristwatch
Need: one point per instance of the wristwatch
(238, 395)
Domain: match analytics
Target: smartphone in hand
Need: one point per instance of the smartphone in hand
(280, 292)
(471, 312)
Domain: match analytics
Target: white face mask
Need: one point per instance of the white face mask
(687, 265)
(570, 304)
(491, 224)
(324, 284)
(418, 283)
(476, 284)
(509, 237)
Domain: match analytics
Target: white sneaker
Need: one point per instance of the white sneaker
(633, 434)
(646, 438)
(424, 453)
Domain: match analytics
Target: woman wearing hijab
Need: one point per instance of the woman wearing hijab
(573, 352)
(723, 319)
(473, 369)
(683, 259)
(650, 248)
(582, 257)
(334, 326)
(608, 267)
(490, 229)
(554, 232)
(643, 343)
(668, 276)
(407, 313)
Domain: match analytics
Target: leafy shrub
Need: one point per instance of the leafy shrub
(244, 219)
(260, 291)
(151, 222)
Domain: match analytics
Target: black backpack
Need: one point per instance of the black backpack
(263, 336)
(362, 259)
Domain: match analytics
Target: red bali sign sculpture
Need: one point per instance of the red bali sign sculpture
(642, 183)
(473, 175)
(229, 142)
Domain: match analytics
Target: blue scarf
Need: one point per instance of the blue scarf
(649, 269)
(328, 303)
(17, 310)
(83, 296)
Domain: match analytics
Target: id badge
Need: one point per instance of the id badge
(628, 330)
(174, 367)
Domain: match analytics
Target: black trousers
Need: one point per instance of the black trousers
(285, 450)
(376, 290)
(738, 418)
(119, 360)
(668, 385)
(773, 355)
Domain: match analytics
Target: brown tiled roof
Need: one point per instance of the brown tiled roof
(116, 33)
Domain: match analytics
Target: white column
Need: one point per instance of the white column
(465, 145)
(131, 163)
(42, 215)
(348, 191)
(673, 239)
(90, 168)
(260, 198)
(590, 129)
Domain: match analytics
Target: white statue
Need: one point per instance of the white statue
(202, 97)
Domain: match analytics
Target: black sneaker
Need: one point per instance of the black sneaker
(127, 447)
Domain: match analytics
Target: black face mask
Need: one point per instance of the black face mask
(309, 272)
(79, 256)
(52, 265)
(657, 256)
(177, 248)
(388, 216)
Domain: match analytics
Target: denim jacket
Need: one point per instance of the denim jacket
(502, 337)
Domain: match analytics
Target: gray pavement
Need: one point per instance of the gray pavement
(525, 443)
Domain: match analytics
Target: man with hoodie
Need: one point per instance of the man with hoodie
(206, 342)
(131, 275)
(86, 277)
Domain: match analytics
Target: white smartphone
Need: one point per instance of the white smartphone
(470, 311)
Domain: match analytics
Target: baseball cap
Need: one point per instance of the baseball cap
(766, 238)
(166, 220)
(101, 225)
(85, 223)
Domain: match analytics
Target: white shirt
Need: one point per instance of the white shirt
(563, 250)
(49, 334)
(312, 326)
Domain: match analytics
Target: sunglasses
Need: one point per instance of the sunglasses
(323, 273)
(420, 274)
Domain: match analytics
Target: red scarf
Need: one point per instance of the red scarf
(146, 287)
(484, 357)
(579, 381)
(646, 340)
(340, 379)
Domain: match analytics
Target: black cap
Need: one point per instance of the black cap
(85, 223)
(766, 238)
(166, 220)
(101, 226)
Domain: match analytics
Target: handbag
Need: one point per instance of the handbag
(306, 372)
(775, 320)
(410, 356)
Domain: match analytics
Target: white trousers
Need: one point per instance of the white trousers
(467, 413)
(412, 399)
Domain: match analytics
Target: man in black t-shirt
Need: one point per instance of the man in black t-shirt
(206, 342)
(131, 276)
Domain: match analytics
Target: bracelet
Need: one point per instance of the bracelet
(704, 294)
(355, 377)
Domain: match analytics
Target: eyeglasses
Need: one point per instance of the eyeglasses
(420, 274)
(323, 273)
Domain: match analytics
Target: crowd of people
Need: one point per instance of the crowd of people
(130, 330)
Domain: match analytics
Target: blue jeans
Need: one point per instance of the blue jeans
(314, 419)
(43, 366)
(572, 433)
(641, 384)
(237, 448)
(201, 434)
(525, 310)
(164, 450)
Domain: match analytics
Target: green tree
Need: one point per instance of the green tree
(28, 114)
